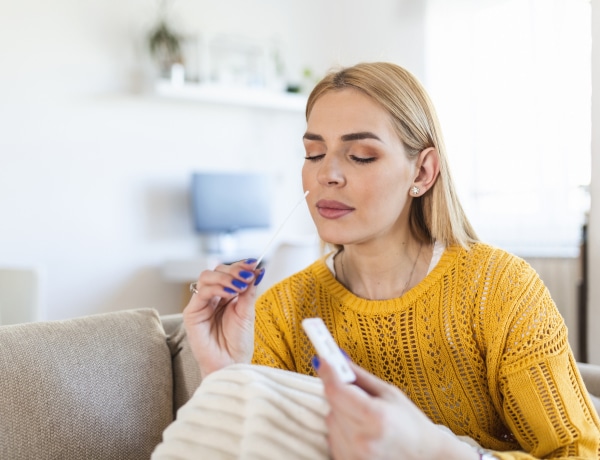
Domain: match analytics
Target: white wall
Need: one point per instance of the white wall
(94, 170)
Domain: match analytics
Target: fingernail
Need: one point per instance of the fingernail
(246, 274)
(239, 284)
(345, 354)
(251, 261)
(315, 362)
(229, 290)
(259, 277)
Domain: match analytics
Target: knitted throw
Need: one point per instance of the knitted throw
(250, 412)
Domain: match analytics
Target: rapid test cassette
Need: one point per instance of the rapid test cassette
(327, 349)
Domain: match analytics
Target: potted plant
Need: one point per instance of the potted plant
(165, 44)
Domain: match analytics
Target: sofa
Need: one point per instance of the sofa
(98, 387)
(103, 386)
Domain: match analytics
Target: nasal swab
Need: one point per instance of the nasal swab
(280, 227)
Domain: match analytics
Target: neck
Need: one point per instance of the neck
(385, 275)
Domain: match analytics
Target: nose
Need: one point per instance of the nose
(330, 172)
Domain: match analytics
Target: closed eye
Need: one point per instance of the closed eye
(314, 157)
(362, 160)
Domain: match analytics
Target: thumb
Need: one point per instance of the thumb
(370, 383)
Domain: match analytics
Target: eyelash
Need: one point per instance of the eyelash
(314, 157)
(363, 160)
(359, 160)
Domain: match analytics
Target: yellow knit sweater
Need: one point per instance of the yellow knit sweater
(478, 345)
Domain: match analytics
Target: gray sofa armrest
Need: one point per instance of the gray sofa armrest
(172, 323)
(591, 377)
(93, 387)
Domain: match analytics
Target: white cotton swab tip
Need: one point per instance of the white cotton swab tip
(280, 228)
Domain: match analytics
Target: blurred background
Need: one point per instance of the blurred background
(108, 108)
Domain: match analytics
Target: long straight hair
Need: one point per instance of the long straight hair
(437, 215)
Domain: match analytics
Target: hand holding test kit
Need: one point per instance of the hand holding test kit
(327, 349)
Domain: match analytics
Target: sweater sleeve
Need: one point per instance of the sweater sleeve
(534, 378)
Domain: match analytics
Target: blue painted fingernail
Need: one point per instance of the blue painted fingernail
(251, 261)
(239, 284)
(246, 274)
(315, 362)
(345, 354)
(259, 277)
(229, 290)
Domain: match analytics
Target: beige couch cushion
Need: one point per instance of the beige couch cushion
(98, 387)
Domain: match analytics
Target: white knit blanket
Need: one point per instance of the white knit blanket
(250, 412)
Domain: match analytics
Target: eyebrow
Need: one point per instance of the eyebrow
(346, 137)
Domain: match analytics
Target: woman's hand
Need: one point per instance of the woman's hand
(219, 318)
(372, 419)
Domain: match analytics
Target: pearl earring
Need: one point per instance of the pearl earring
(415, 190)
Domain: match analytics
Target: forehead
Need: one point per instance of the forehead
(348, 110)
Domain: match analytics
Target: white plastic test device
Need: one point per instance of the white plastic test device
(327, 349)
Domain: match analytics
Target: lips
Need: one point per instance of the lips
(331, 209)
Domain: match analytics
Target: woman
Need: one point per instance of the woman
(446, 330)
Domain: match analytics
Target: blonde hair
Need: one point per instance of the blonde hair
(437, 215)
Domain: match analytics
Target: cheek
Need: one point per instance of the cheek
(385, 195)
(306, 178)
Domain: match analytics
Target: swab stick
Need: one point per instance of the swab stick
(280, 228)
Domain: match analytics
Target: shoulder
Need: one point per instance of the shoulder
(488, 251)
(515, 303)
(494, 261)
(507, 282)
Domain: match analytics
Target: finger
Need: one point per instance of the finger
(244, 304)
(258, 270)
(327, 373)
(215, 289)
(209, 288)
(370, 383)
(249, 264)
(224, 280)
(343, 398)
(246, 272)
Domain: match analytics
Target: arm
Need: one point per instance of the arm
(547, 408)
(533, 376)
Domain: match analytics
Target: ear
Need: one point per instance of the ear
(427, 170)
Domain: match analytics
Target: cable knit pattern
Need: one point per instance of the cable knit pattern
(251, 413)
(478, 345)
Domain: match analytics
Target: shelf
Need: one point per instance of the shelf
(239, 96)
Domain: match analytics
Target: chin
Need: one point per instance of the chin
(333, 232)
(332, 239)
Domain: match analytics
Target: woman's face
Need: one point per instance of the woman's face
(356, 170)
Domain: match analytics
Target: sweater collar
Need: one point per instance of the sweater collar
(350, 301)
